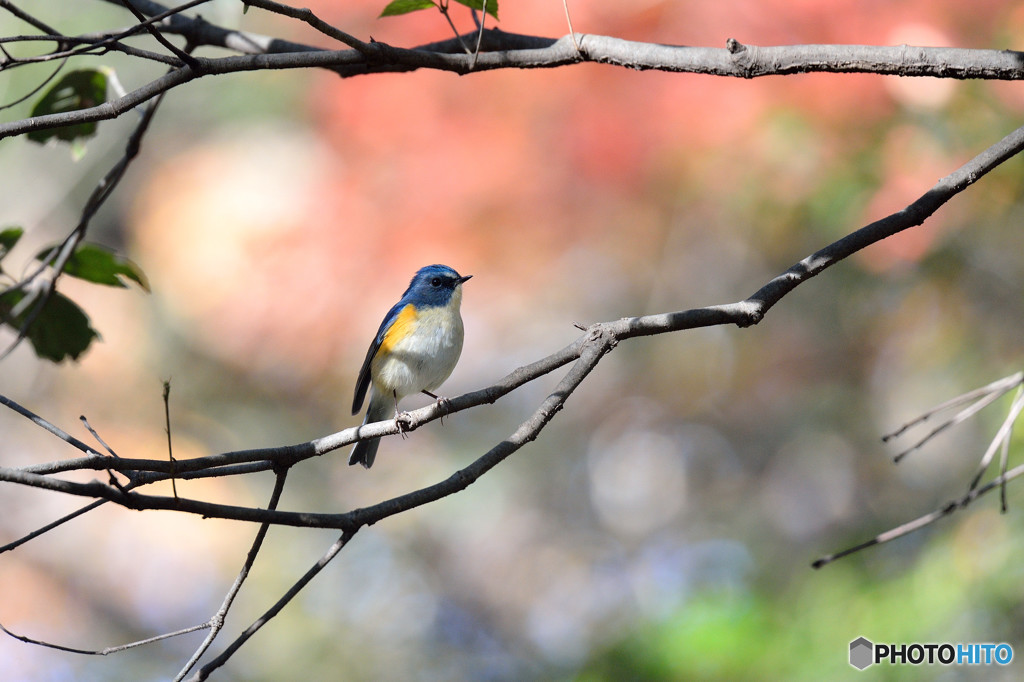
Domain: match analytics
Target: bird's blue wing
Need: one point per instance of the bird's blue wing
(363, 382)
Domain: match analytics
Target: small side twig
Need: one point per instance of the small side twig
(307, 16)
(95, 435)
(480, 34)
(981, 397)
(568, 20)
(976, 400)
(921, 522)
(184, 56)
(110, 472)
(442, 6)
(204, 672)
(50, 526)
(167, 429)
(1002, 437)
(217, 621)
(108, 650)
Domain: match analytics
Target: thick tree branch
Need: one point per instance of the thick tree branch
(506, 51)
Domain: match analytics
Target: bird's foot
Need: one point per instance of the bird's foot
(442, 402)
(403, 420)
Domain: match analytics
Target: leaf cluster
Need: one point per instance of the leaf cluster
(398, 7)
(56, 326)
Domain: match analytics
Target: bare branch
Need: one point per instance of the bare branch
(982, 396)
(999, 386)
(52, 428)
(313, 20)
(108, 650)
(927, 519)
(50, 526)
(1001, 439)
(748, 62)
(217, 621)
(35, 22)
(339, 545)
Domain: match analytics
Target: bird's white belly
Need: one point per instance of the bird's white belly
(424, 358)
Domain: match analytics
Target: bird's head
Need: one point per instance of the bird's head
(434, 285)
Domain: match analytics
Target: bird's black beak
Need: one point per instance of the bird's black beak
(464, 278)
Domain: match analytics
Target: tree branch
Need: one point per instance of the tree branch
(217, 621)
(339, 545)
(507, 52)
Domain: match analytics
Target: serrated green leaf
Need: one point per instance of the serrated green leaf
(79, 89)
(61, 330)
(397, 7)
(9, 236)
(492, 6)
(98, 264)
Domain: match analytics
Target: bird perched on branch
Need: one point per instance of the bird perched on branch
(415, 349)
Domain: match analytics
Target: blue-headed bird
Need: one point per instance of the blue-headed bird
(415, 349)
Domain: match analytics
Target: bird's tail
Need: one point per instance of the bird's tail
(365, 451)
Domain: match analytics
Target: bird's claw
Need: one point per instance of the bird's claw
(403, 420)
(444, 404)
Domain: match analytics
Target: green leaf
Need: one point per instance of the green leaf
(492, 6)
(61, 330)
(98, 264)
(396, 7)
(77, 90)
(9, 236)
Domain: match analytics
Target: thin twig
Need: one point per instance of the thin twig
(568, 20)
(110, 649)
(50, 526)
(95, 435)
(160, 38)
(217, 621)
(958, 418)
(442, 5)
(48, 426)
(1004, 384)
(984, 396)
(316, 22)
(1002, 435)
(110, 474)
(204, 672)
(31, 93)
(167, 429)
(925, 520)
(480, 33)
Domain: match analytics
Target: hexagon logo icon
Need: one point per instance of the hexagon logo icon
(861, 653)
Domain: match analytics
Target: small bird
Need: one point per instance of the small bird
(415, 349)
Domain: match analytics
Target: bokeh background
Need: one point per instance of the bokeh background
(664, 524)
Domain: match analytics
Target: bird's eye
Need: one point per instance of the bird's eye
(436, 282)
